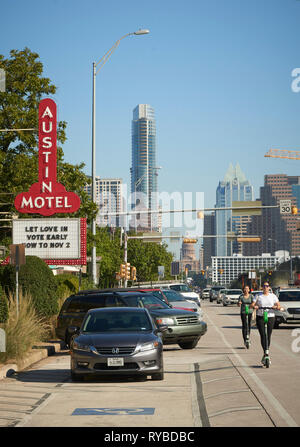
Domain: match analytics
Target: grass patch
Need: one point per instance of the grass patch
(22, 329)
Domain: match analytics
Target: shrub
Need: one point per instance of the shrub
(24, 330)
(66, 284)
(35, 279)
(3, 306)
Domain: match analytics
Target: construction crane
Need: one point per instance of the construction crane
(282, 153)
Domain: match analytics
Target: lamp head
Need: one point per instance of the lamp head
(141, 31)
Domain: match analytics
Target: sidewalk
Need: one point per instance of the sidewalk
(38, 352)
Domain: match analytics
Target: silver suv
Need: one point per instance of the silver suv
(290, 307)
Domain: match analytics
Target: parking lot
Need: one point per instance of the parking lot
(217, 384)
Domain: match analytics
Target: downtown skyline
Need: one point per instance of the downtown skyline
(227, 98)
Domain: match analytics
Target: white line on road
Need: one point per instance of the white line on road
(274, 402)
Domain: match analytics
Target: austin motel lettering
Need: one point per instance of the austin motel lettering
(47, 197)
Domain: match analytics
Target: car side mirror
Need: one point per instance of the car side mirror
(73, 330)
(162, 328)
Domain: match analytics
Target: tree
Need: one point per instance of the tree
(146, 257)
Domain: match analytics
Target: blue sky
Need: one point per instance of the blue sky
(217, 72)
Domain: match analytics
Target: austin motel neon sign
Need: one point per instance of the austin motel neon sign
(47, 197)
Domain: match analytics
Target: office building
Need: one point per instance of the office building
(209, 243)
(234, 187)
(143, 168)
(277, 231)
(226, 269)
(109, 199)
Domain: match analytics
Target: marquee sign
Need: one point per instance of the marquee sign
(56, 241)
(47, 197)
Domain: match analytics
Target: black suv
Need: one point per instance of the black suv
(184, 327)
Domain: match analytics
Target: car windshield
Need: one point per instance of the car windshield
(116, 322)
(289, 296)
(172, 296)
(147, 300)
(181, 288)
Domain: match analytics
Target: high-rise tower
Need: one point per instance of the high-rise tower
(234, 187)
(143, 168)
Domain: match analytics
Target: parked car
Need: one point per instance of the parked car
(184, 290)
(205, 293)
(177, 301)
(213, 292)
(220, 295)
(185, 328)
(231, 296)
(117, 341)
(290, 307)
(172, 298)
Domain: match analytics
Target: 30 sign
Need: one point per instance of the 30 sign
(47, 197)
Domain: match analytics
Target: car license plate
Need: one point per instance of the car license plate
(115, 361)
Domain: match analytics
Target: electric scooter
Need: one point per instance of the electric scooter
(247, 342)
(267, 361)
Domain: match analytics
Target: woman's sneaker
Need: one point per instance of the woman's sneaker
(263, 360)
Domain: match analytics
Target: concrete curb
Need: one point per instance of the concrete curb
(38, 352)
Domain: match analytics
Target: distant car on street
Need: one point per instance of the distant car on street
(220, 295)
(290, 307)
(205, 294)
(214, 292)
(231, 296)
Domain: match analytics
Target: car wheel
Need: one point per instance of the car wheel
(76, 377)
(189, 344)
(158, 376)
(224, 304)
(276, 325)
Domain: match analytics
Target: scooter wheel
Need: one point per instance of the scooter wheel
(247, 344)
(267, 362)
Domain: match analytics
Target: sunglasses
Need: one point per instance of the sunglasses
(266, 285)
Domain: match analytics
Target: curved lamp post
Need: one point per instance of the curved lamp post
(101, 63)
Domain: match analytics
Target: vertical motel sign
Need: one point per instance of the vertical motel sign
(47, 196)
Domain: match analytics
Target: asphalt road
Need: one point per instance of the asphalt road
(217, 384)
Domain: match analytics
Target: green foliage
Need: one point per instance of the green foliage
(36, 279)
(146, 257)
(3, 306)
(67, 284)
(108, 248)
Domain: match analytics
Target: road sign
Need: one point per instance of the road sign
(285, 206)
(175, 268)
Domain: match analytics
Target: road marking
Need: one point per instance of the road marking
(274, 402)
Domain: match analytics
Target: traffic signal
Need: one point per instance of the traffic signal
(203, 272)
(221, 271)
(294, 210)
(133, 273)
(123, 270)
(270, 272)
(190, 241)
(127, 270)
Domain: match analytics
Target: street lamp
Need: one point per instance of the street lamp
(102, 62)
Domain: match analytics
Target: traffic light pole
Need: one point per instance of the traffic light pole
(125, 255)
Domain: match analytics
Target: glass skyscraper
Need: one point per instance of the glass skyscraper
(234, 187)
(143, 168)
